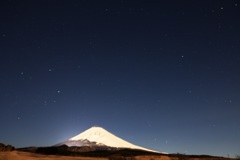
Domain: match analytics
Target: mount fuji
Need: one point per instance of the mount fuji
(99, 137)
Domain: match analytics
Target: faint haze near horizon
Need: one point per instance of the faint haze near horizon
(163, 75)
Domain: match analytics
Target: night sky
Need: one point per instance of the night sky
(164, 75)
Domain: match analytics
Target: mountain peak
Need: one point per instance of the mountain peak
(92, 134)
(99, 136)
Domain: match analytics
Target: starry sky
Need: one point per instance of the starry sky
(161, 74)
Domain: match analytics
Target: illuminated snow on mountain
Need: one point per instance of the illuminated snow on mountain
(100, 137)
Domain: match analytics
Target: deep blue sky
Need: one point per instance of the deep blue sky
(161, 74)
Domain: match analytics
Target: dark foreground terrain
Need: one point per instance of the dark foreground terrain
(89, 153)
(19, 155)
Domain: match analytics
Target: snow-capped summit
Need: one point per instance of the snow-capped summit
(100, 137)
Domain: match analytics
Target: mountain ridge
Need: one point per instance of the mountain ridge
(97, 136)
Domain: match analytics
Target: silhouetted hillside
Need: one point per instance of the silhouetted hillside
(91, 151)
(4, 148)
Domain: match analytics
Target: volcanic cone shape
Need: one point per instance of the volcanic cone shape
(101, 137)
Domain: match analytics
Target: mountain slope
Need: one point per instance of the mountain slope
(97, 136)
